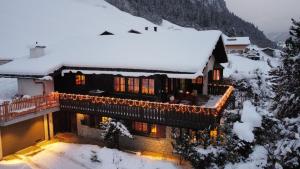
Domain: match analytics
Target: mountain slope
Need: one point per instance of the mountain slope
(199, 14)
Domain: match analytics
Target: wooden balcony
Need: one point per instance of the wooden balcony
(23, 109)
(178, 115)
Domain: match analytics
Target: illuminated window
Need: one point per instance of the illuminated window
(214, 134)
(133, 85)
(140, 127)
(153, 129)
(119, 84)
(198, 80)
(216, 75)
(80, 80)
(148, 86)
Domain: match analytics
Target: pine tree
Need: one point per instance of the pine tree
(114, 129)
(286, 78)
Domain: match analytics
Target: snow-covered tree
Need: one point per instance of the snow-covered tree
(286, 78)
(114, 129)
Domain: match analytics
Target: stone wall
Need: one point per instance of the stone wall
(157, 145)
(86, 131)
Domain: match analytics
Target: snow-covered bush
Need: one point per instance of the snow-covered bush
(114, 129)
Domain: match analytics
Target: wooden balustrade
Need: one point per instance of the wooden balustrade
(21, 107)
(217, 89)
(179, 115)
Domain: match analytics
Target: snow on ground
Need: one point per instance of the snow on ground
(8, 88)
(250, 119)
(256, 160)
(13, 164)
(79, 156)
(239, 67)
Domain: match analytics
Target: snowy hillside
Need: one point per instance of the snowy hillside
(52, 22)
(239, 67)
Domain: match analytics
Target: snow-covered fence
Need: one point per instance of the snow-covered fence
(16, 108)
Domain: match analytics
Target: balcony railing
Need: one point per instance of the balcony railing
(22, 107)
(179, 115)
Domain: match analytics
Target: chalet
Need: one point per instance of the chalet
(269, 51)
(4, 60)
(153, 82)
(236, 44)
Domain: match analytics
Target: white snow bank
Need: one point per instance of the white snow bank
(250, 115)
(250, 119)
(241, 67)
(13, 164)
(257, 160)
(79, 156)
(243, 131)
(8, 88)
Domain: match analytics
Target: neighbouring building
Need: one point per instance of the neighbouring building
(269, 51)
(236, 44)
(153, 82)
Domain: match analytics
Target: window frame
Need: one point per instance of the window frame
(216, 75)
(80, 80)
(119, 86)
(148, 86)
(135, 86)
(140, 127)
(198, 81)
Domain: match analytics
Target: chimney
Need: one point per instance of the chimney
(37, 51)
(155, 29)
(146, 28)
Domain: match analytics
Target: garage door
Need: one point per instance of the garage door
(21, 135)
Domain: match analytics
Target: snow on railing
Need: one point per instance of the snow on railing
(10, 110)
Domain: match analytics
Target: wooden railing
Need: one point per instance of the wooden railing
(189, 116)
(179, 115)
(218, 89)
(17, 108)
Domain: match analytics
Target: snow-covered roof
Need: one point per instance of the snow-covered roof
(236, 40)
(70, 29)
(267, 48)
(174, 51)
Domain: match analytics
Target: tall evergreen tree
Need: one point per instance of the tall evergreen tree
(286, 78)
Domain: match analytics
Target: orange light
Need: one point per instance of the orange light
(153, 129)
(213, 133)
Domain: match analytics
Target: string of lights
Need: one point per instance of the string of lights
(151, 105)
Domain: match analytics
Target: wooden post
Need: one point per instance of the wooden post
(6, 113)
(1, 148)
(46, 126)
(51, 130)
